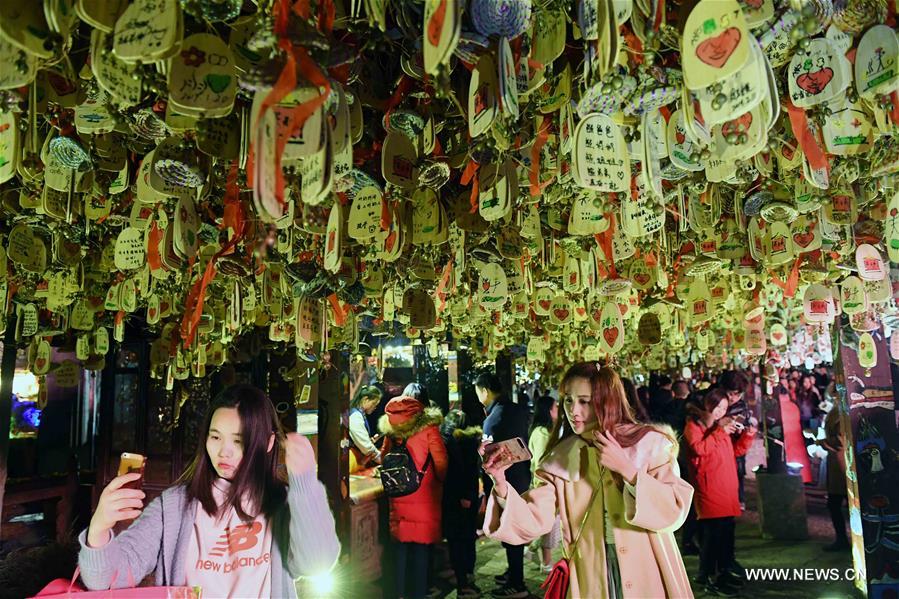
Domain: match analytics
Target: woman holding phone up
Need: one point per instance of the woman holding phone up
(232, 525)
(616, 486)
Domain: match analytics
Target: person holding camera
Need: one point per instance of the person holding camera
(717, 502)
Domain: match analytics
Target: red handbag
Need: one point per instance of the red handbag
(556, 583)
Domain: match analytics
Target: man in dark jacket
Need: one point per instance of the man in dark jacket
(506, 420)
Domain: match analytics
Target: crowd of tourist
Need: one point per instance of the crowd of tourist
(617, 467)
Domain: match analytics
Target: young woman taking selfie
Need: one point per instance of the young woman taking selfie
(616, 486)
(233, 524)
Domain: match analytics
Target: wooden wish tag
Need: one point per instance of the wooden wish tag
(715, 43)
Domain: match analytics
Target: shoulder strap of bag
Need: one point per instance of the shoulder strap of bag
(583, 520)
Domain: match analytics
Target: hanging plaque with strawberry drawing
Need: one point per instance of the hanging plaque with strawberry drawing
(818, 75)
(806, 234)
(611, 328)
(714, 44)
(867, 351)
(642, 275)
(560, 310)
(492, 287)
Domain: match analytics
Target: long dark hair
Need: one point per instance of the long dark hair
(542, 417)
(257, 480)
(707, 402)
(633, 399)
(613, 412)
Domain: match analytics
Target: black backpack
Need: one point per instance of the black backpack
(399, 476)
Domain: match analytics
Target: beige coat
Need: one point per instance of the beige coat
(644, 517)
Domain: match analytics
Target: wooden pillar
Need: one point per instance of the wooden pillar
(868, 418)
(333, 435)
(7, 372)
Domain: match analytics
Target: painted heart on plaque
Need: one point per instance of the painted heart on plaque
(545, 303)
(641, 278)
(218, 83)
(561, 313)
(814, 83)
(715, 51)
(610, 335)
(581, 311)
(803, 240)
(738, 125)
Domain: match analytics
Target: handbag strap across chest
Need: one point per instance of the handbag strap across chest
(586, 515)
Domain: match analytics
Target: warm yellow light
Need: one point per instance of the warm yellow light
(25, 385)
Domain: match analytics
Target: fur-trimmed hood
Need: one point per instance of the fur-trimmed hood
(404, 416)
(469, 432)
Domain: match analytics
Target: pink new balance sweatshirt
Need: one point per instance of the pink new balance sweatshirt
(304, 541)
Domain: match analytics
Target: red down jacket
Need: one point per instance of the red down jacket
(713, 469)
(416, 518)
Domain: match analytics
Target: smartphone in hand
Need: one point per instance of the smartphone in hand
(132, 462)
(510, 451)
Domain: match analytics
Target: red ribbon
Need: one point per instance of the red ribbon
(297, 59)
(153, 239)
(807, 139)
(604, 240)
(444, 280)
(542, 135)
(339, 313)
(196, 297)
(469, 175)
(789, 286)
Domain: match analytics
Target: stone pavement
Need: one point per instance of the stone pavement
(752, 551)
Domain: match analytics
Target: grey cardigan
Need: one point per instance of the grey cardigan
(303, 530)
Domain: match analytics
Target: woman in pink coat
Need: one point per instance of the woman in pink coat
(617, 488)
